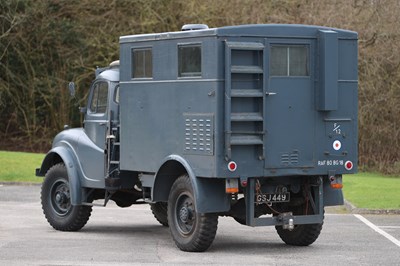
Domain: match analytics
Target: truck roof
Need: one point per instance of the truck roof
(251, 30)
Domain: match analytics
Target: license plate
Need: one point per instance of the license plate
(273, 198)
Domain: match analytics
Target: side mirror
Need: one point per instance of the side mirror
(71, 87)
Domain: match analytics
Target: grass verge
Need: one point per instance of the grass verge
(19, 166)
(372, 191)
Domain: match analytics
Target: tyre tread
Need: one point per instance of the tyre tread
(207, 224)
(79, 214)
(302, 235)
(160, 213)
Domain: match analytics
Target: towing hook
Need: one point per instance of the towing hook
(290, 225)
(287, 220)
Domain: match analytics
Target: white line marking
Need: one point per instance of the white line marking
(378, 230)
(389, 227)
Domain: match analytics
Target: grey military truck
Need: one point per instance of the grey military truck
(256, 122)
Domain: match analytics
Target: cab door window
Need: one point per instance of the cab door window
(98, 104)
(116, 94)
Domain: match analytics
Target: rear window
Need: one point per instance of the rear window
(289, 60)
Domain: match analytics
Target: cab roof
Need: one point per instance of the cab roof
(109, 73)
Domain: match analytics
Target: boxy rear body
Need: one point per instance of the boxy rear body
(247, 113)
(272, 98)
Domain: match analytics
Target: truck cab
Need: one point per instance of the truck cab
(100, 114)
(255, 122)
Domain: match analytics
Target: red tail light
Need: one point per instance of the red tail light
(348, 165)
(232, 166)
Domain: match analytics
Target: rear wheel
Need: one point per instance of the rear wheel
(301, 235)
(160, 212)
(190, 230)
(56, 201)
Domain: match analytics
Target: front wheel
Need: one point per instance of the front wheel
(190, 230)
(56, 201)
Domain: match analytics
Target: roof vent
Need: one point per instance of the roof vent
(188, 27)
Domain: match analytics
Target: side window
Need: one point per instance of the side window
(142, 63)
(189, 60)
(289, 61)
(116, 94)
(98, 104)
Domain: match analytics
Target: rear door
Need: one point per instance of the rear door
(289, 103)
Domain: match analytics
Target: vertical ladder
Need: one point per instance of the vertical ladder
(244, 96)
(112, 180)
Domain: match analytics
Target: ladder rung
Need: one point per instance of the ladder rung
(246, 117)
(247, 69)
(248, 132)
(246, 93)
(246, 140)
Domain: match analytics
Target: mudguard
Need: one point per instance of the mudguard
(209, 192)
(332, 197)
(62, 154)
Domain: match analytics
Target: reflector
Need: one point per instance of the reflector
(336, 186)
(232, 166)
(348, 165)
(232, 185)
(232, 190)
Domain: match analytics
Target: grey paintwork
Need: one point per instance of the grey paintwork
(82, 149)
(298, 118)
(153, 111)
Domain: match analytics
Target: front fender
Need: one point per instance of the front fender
(209, 193)
(62, 154)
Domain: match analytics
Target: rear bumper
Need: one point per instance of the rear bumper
(283, 219)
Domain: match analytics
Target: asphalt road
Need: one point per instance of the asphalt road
(131, 236)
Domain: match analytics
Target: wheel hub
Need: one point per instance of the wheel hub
(61, 197)
(184, 214)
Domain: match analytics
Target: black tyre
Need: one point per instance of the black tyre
(301, 235)
(190, 230)
(160, 212)
(56, 202)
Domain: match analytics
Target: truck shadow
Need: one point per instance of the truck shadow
(222, 243)
(142, 230)
(248, 245)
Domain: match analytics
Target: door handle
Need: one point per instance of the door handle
(270, 93)
(102, 124)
